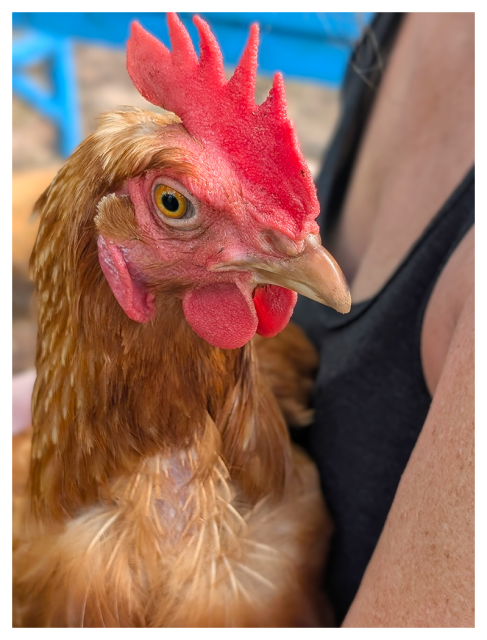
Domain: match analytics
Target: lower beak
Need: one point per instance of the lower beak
(313, 273)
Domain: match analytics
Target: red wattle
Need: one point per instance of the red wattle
(274, 306)
(227, 317)
(221, 314)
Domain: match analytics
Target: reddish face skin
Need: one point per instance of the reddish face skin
(223, 225)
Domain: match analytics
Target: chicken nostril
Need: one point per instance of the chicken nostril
(281, 243)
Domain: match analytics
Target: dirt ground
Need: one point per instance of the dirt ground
(103, 85)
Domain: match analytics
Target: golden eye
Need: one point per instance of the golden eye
(170, 202)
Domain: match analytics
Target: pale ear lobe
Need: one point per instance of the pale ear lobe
(137, 303)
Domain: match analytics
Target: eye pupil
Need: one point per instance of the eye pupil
(170, 202)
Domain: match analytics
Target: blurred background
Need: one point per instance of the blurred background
(68, 68)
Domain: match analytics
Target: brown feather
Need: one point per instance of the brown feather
(289, 363)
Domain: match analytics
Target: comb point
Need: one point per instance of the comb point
(279, 89)
(182, 48)
(211, 60)
(143, 49)
(276, 100)
(244, 79)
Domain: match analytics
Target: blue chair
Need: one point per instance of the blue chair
(59, 105)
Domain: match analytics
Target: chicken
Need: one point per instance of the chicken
(163, 489)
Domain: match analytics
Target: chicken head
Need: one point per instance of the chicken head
(228, 225)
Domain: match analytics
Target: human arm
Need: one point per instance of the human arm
(422, 571)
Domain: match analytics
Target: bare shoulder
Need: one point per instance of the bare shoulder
(445, 307)
(422, 571)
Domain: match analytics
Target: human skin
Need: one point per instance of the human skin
(418, 146)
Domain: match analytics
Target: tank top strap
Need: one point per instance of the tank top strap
(358, 93)
(425, 260)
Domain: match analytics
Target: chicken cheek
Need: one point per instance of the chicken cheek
(222, 314)
(137, 303)
(274, 306)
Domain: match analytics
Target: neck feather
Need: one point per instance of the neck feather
(111, 391)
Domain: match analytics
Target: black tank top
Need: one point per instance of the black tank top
(370, 398)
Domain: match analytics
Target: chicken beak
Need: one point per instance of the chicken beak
(313, 273)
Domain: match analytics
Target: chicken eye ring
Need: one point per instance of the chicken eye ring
(170, 202)
(173, 204)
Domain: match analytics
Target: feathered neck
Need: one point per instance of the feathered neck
(110, 391)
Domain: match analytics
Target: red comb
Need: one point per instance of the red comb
(260, 141)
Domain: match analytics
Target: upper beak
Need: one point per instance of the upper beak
(313, 273)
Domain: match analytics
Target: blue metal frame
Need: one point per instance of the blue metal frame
(301, 45)
(59, 105)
